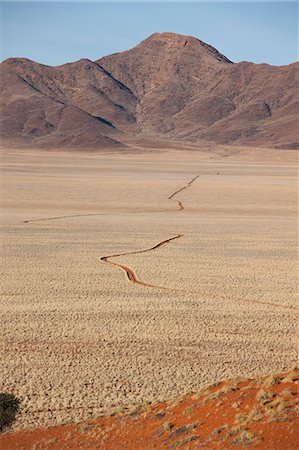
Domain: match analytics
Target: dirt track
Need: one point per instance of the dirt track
(180, 204)
(129, 271)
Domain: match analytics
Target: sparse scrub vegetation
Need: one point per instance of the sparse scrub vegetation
(246, 437)
(291, 376)
(236, 405)
(264, 396)
(217, 431)
(9, 407)
(233, 431)
(254, 415)
(274, 403)
(167, 426)
(199, 394)
(272, 380)
(287, 392)
(224, 390)
(239, 418)
(272, 408)
(87, 427)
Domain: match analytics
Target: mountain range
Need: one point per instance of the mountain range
(169, 86)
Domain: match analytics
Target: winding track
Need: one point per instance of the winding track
(63, 217)
(180, 204)
(131, 274)
(83, 215)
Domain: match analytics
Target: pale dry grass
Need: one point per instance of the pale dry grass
(78, 338)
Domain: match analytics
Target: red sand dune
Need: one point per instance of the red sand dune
(259, 414)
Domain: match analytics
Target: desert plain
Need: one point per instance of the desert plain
(85, 332)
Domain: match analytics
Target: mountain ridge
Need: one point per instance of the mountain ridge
(169, 85)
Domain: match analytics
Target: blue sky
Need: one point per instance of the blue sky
(58, 32)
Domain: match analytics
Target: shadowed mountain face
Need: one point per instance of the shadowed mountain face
(169, 86)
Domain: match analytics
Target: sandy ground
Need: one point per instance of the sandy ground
(261, 414)
(79, 338)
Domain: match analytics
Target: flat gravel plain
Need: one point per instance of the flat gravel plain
(79, 338)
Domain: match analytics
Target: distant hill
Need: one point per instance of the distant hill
(169, 86)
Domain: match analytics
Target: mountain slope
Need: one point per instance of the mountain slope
(188, 90)
(169, 85)
(62, 106)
